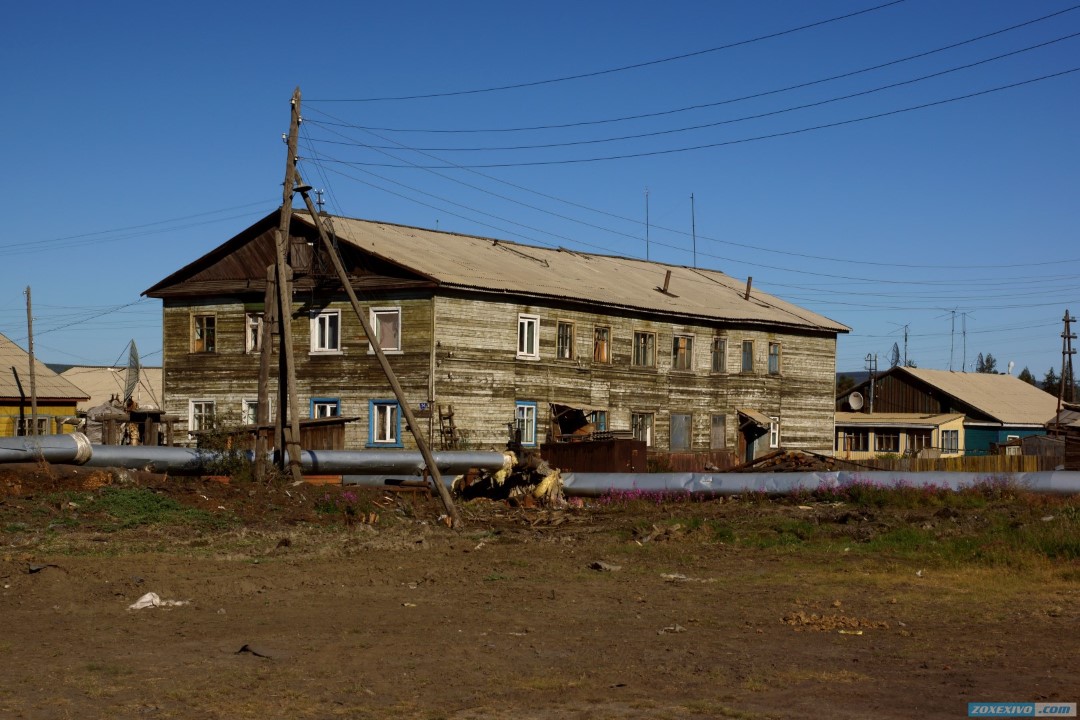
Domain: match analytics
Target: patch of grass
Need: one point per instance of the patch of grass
(134, 507)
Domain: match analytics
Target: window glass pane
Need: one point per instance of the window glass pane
(719, 354)
(682, 352)
(253, 342)
(388, 329)
(680, 431)
(644, 349)
(641, 425)
(205, 339)
(748, 355)
(774, 358)
(602, 345)
(718, 438)
(525, 417)
(565, 346)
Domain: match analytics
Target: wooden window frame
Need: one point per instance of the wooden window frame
(201, 403)
(682, 360)
(317, 402)
(774, 432)
(524, 352)
(712, 429)
(650, 419)
(375, 316)
(562, 351)
(529, 426)
(719, 354)
(253, 331)
(689, 431)
(207, 343)
(778, 355)
(384, 424)
(602, 347)
(315, 325)
(747, 344)
(649, 349)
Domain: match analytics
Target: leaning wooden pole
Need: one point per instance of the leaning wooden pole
(266, 345)
(288, 401)
(33, 374)
(410, 419)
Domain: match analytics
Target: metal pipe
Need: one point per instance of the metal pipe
(191, 461)
(74, 448)
(713, 484)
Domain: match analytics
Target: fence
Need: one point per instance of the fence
(970, 463)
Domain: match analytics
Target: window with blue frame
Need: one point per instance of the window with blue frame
(384, 423)
(325, 407)
(525, 417)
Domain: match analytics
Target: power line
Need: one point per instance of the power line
(718, 102)
(718, 123)
(770, 136)
(609, 71)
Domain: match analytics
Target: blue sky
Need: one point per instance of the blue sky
(141, 136)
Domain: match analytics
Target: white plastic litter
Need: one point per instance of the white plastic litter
(152, 599)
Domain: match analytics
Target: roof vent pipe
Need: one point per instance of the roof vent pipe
(749, 282)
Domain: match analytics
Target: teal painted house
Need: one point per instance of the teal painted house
(996, 408)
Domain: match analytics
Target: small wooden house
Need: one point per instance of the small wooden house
(683, 359)
(56, 397)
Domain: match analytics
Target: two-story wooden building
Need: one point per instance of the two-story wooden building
(686, 359)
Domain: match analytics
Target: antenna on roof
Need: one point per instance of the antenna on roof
(693, 227)
(646, 223)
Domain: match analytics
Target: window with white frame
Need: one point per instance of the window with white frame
(253, 329)
(24, 425)
(564, 340)
(325, 407)
(525, 422)
(774, 432)
(682, 352)
(385, 423)
(528, 337)
(201, 415)
(950, 441)
(641, 424)
(386, 322)
(249, 411)
(719, 354)
(886, 441)
(204, 334)
(326, 331)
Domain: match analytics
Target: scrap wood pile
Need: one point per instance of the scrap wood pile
(789, 461)
(530, 482)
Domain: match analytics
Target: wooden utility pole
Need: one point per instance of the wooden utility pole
(286, 437)
(33, 374)
(399, 394)
(266, 351)
(1066, 390)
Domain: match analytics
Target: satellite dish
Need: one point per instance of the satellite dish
(855, 400)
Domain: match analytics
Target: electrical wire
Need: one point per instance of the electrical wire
(609, 71)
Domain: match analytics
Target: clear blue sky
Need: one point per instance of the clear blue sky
(140, 136)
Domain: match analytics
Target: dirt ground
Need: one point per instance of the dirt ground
(301, 603)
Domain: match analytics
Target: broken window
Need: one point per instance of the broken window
(644, 349)
(564, 346)
(682, 352)
(774, 432)
(24, 425)
(528, 337)
(642, 426)
(386, 322)
(204, 334)
(601, 345)
(774, 358)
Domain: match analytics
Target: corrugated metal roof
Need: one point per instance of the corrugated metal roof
(101, 383)
(485, 264)
(49, 385)
(890, 419)
(1009, 400)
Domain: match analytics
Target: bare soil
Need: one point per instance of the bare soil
(306, 603)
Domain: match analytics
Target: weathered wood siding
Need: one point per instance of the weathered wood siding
(476, 369)
(479, 372)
